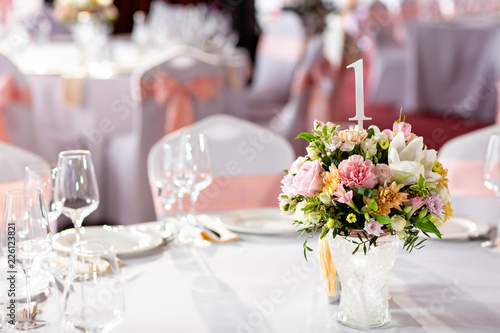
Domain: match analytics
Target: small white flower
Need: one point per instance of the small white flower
(369, 145)
(325, 198)
(312, 151)
(313, 216)
(398, 223)
(297, 164)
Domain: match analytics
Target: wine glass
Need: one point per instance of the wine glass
(202, 167)
(183, 169)
(93, 297)
(491, 175)
(76, 186)
(25, 240)
(42, 177)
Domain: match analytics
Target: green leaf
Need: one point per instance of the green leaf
(307, 136)
(428, 227)
(382, 219)
(367, 192)
(307, 207)
(371, 132)
(421, 181)
(373, 205)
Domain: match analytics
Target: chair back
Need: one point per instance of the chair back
(247, 164)
(164, 105)
(279, 50)
(13, 161)
(16, 116)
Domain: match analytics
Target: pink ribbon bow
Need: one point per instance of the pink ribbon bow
(167, 90)
(11, 93)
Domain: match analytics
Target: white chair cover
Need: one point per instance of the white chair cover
(463, 156)
(279, 50)
(13, 161)
(238, 149)
(131, 202)
(18, 117)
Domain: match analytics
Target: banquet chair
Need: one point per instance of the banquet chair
(279, 50)
(16, 116)
(387, 71)
(463, 157)
(310, 95)
(248, 163)
(184, 87)
(13, 161)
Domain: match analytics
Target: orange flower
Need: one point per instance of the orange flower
(388, 198)
(331, 180)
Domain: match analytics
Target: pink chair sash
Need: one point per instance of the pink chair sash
(10, 93)
(165, 89)
(465, 178)
(229, 193)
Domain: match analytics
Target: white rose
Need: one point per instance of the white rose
(297, 164)
(312, 151)
(325, 198)
(398, 223)
(300, 215)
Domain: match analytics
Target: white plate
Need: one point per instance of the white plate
(265, 221)
(460, 227)
(126, 240)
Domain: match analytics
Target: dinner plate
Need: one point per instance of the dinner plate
(460, 227)
(265, 221)
(126, 240)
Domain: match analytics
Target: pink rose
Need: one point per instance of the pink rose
(308, 180)
(356, 172)
(384, 173)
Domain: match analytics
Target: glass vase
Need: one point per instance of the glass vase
(363, 299)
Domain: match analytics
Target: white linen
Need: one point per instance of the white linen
(264, 284)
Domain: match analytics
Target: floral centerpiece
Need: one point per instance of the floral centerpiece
(362, 186)
(66, 11)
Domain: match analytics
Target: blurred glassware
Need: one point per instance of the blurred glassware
(93, 297)
(491, 177)
(42, 177)
(76, 186)
(25, 241)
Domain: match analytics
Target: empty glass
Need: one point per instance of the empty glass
(93, 297)
(25, 241)
(42, 177)
(76, 186)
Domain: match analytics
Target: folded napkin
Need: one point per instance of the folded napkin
(211, 223)
(99, 266)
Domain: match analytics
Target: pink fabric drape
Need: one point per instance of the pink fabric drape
(10, 92)
(229, 193)
(465, 178)
(166, 90)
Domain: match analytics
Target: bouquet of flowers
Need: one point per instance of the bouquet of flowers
(369, 181)
(66, 11)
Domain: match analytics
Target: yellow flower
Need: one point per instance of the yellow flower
(388, 198)
(331, 180)
(448, 211)
(384, 144)
(437, 167)
(351, 218)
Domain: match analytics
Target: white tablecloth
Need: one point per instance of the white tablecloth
(264, 284)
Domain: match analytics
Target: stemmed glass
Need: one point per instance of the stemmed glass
(491, 175)
(202, 166)
(25, 240)
(76, 186)
(42, 177)
(93, 297)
